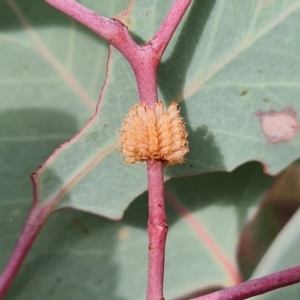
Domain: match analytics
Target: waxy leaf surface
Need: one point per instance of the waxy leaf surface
(236, 78)
(79, 255)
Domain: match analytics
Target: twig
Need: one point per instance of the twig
(157, 230)
(162, 38)
(145, 70)
(35, 221)
(109, 29)
(143, 59)
(257, 286)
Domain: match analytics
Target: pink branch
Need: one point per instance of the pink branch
(145, 75)
(150, 54)
(257, 286)
(157, 230)
(161, 40)
(145, 69)
(143, 59)
(111, 30)
(33, 225)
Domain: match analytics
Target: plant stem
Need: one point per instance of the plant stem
(109, 29)
(117, 33)
(145, 66)
(169, 25)
(35, 221)
(157, 230)
(257, 286)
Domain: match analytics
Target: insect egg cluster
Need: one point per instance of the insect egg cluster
(154, 134)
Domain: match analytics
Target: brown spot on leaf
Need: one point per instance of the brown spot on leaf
(279, 127)
(244, 93)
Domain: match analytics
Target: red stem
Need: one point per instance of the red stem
(35, 221)
(257, 286)
(118, 35)
(144, 66)
(169, 25)
(111, 30)
(157, 230)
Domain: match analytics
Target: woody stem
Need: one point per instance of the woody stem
(157, 230)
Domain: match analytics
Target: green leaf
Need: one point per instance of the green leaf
(79, 255)
(283, 253)
(227, 62)
(238, 97)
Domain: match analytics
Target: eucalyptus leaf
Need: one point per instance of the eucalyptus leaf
(235, 76)
(79, 255)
